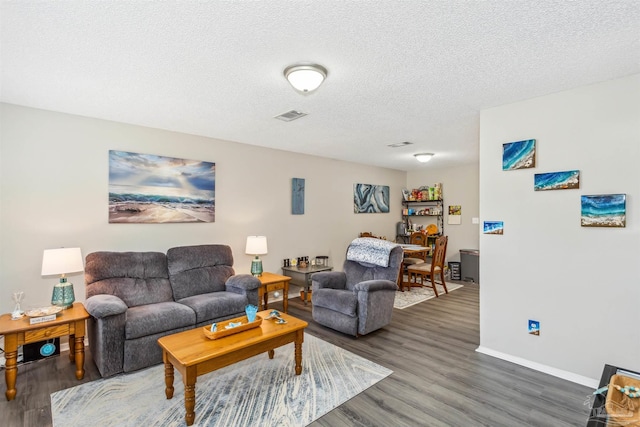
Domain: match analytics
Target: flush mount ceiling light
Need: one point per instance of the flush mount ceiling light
(305, 78)
(423, 157)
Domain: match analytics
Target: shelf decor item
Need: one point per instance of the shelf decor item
(62, 261)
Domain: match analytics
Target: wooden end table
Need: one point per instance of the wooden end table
(193, 354)
(302, 276)
(273, 282)
(69, 322)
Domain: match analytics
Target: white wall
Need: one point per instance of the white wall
(54, 193)
(582, 284)
(460, 186)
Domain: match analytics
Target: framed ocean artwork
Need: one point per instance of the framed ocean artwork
(556, 180)
(604, 210)
(369, 198)
(493, 227)
(519, 155)
(145, 188)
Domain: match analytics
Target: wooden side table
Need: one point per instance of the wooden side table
(302, 276)
(273, 282)
(69, 322)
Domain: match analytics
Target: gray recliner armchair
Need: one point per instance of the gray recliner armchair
(359, 299)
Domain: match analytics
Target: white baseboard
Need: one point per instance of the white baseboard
(565, 375)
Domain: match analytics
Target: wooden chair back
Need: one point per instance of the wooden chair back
(439, 253)
(418, 238)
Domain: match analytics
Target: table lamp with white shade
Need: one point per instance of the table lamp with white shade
(62, 261)
(256, 245)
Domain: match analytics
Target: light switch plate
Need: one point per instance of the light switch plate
(475, 220)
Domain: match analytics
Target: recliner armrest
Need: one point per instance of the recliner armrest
(329, 279)
(101, 306)
(241, 283)
(375, 285)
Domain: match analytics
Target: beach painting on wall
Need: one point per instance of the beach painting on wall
(556, 180)
(604, 210)
(519, 155)
(145, 188)
(493, 227)
(369, 198)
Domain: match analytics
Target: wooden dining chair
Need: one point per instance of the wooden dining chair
(435, 267)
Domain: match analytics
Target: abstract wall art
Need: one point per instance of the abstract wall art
(556, 180)
(493, 227)
(145, 188)
(297, 196)
(519, 155)
(369, 198)
(604, 210)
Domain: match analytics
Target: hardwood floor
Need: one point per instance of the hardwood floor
(438, 380)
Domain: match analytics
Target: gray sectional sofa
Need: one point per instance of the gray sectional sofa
(134, 298)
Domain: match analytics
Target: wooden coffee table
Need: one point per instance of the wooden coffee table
(193, 354)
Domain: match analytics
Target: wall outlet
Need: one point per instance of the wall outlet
(475, 220)
(534, 327)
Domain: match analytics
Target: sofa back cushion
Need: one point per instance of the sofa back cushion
(137, 278)
(195, 270)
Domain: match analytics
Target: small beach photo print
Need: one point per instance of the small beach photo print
(493, 227)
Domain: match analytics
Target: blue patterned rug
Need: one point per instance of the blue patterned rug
(255, 392)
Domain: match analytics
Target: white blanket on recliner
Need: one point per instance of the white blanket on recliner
(370, 251)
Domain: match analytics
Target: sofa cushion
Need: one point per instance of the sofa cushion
(215, 305)
(137, 278)
(195, 270)
(151, 319)
(345, 302)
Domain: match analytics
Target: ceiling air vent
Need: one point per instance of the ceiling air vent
(290, 115)
(399, 144)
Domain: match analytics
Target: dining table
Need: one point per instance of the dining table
(411, 251)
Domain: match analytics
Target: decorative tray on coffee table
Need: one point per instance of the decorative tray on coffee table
(223, 331)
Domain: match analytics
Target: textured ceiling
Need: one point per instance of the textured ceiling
(416, 71)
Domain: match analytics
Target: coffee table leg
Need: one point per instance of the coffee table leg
(298, 351)
(271, 353)
(190, 395)
(168, 377)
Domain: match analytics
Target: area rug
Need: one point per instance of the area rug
(255, 392)
(417, 295)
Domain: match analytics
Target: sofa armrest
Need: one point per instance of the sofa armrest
(376, 285)
(101, 306)
(241, 283)
(329, 279)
